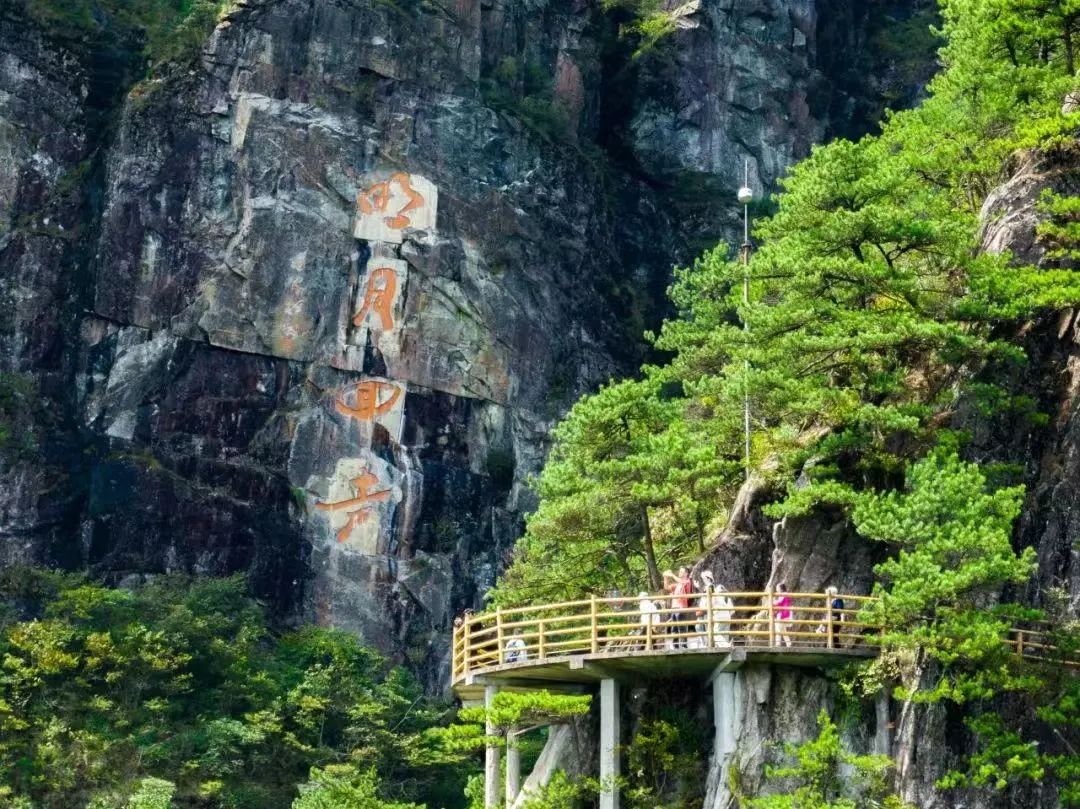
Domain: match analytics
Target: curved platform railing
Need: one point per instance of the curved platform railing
(625, 626)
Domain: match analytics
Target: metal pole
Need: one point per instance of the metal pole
(746, 332)
(745, 195)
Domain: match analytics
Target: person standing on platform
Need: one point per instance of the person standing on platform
(836, 607)
(720, 604)
(680, 586)
(782, 605)
(515, 649)
(647, 617)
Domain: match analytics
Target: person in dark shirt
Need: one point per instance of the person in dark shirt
(836, 608)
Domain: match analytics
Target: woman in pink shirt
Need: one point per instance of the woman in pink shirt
(681, 586)
(782, 605)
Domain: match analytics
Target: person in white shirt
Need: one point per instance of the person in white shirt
(515, 649)
(649, 616)
(722, 608)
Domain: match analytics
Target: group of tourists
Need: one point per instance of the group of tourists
(683, 620)
(680, 618)
(684, 623)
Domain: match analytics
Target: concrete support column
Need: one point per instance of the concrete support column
(513, 768)
(609, 744)
(491, 756)
(724, 708)
(882, 734)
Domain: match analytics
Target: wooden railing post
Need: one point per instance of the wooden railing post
(595, 625)
(500, 656)
(467, 651)
(828, 622)
(772, 618)
(455, 645)
(540, 641)
(1020, 643)
(648, 631)
(709, 617)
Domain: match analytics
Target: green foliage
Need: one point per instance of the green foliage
(828, 776)
(104, 693)
(510, 710)
(1060, 231)
(169, 30)
(1039, 738)
(343, 786)
(643, 23)
(872, 312)
(939, 603)
(18, 436)
(563, 792)
(628, 488)
(1003, 758)
(872, 315)
(526, 91)
(664, 763)
(908, 46)
(509, 714)
(953, 534)
(152, 793)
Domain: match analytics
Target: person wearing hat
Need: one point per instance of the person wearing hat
(836, 606)
(720, 604)
(648, 616)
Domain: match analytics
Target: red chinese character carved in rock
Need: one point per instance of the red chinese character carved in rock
(379, 196)
(358, 508)
(368, 399)
(379, 298)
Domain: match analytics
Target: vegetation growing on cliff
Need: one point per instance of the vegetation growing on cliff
(873, 318)
(167, 30)
(824, 774)
(178, 694)
(18, 437)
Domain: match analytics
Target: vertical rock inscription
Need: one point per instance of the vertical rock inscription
(386, 208)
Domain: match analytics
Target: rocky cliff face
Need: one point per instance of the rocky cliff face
(308, 309)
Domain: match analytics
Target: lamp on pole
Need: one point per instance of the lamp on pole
(746, 196)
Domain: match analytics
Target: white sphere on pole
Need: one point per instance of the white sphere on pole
(746, 196)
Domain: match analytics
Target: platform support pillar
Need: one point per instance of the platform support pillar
(724, 713)
(882, 732)
(513, 768)
(491, 755)
(609, 744)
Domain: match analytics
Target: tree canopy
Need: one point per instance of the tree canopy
(178, 694)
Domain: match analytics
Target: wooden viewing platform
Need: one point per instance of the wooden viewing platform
(604, 643)
(587, 640)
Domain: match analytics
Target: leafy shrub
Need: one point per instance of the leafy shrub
(110, 695)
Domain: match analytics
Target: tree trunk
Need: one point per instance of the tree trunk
(655, 582)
